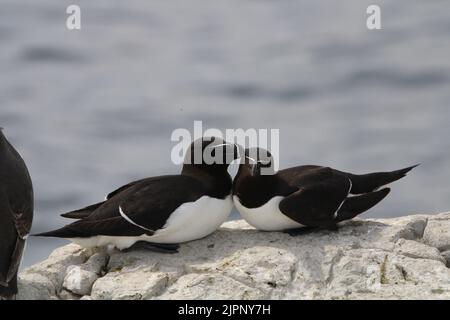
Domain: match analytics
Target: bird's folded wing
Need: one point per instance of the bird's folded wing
(316, 203)
(115, 226)
(151, 205)
(142, 208)
(83, 212)
(87, 211)
(122, 188)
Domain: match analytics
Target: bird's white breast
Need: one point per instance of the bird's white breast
(194, 220)
(267, 217)
(190, 221)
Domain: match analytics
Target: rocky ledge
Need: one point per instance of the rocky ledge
(401, 258)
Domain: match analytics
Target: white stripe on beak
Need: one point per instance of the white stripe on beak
(219, 145)
(251, 159)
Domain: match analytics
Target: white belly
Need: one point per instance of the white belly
(268, 217)
(190, 221)
(194, 220)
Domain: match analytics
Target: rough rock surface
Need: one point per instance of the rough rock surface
(401, 258)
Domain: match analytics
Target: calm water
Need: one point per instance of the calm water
(93, 109)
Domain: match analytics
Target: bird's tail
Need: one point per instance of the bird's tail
(365, 183)
(82, 213)
(63, 232)
(356, 205)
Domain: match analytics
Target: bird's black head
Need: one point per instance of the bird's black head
(210, 154)
(257, 162)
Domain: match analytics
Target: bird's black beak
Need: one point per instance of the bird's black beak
(231, 152)
(256, 169)
(235, 150)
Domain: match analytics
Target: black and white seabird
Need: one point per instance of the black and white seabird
(160, 212)
(16, 215)
(304, 196)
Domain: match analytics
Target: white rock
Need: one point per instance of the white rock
(266, 268)
(139, 284)
(34, 286)
(210, 286)
(67, 295)
(437, 233)
(401, 258)
(414, 249)
(79, 279)
(446, 256)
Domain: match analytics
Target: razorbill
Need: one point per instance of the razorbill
(160, 212)
(16, 215)
(304, 196)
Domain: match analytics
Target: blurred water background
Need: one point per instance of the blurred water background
(93, 109)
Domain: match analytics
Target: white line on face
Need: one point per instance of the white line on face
(250, 158)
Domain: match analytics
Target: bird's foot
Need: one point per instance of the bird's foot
(306, 230)
(333, 228)
(299, 231)
(156, 247)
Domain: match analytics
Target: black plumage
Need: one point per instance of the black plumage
(149, 202)
(16, 214)
(313, 196)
